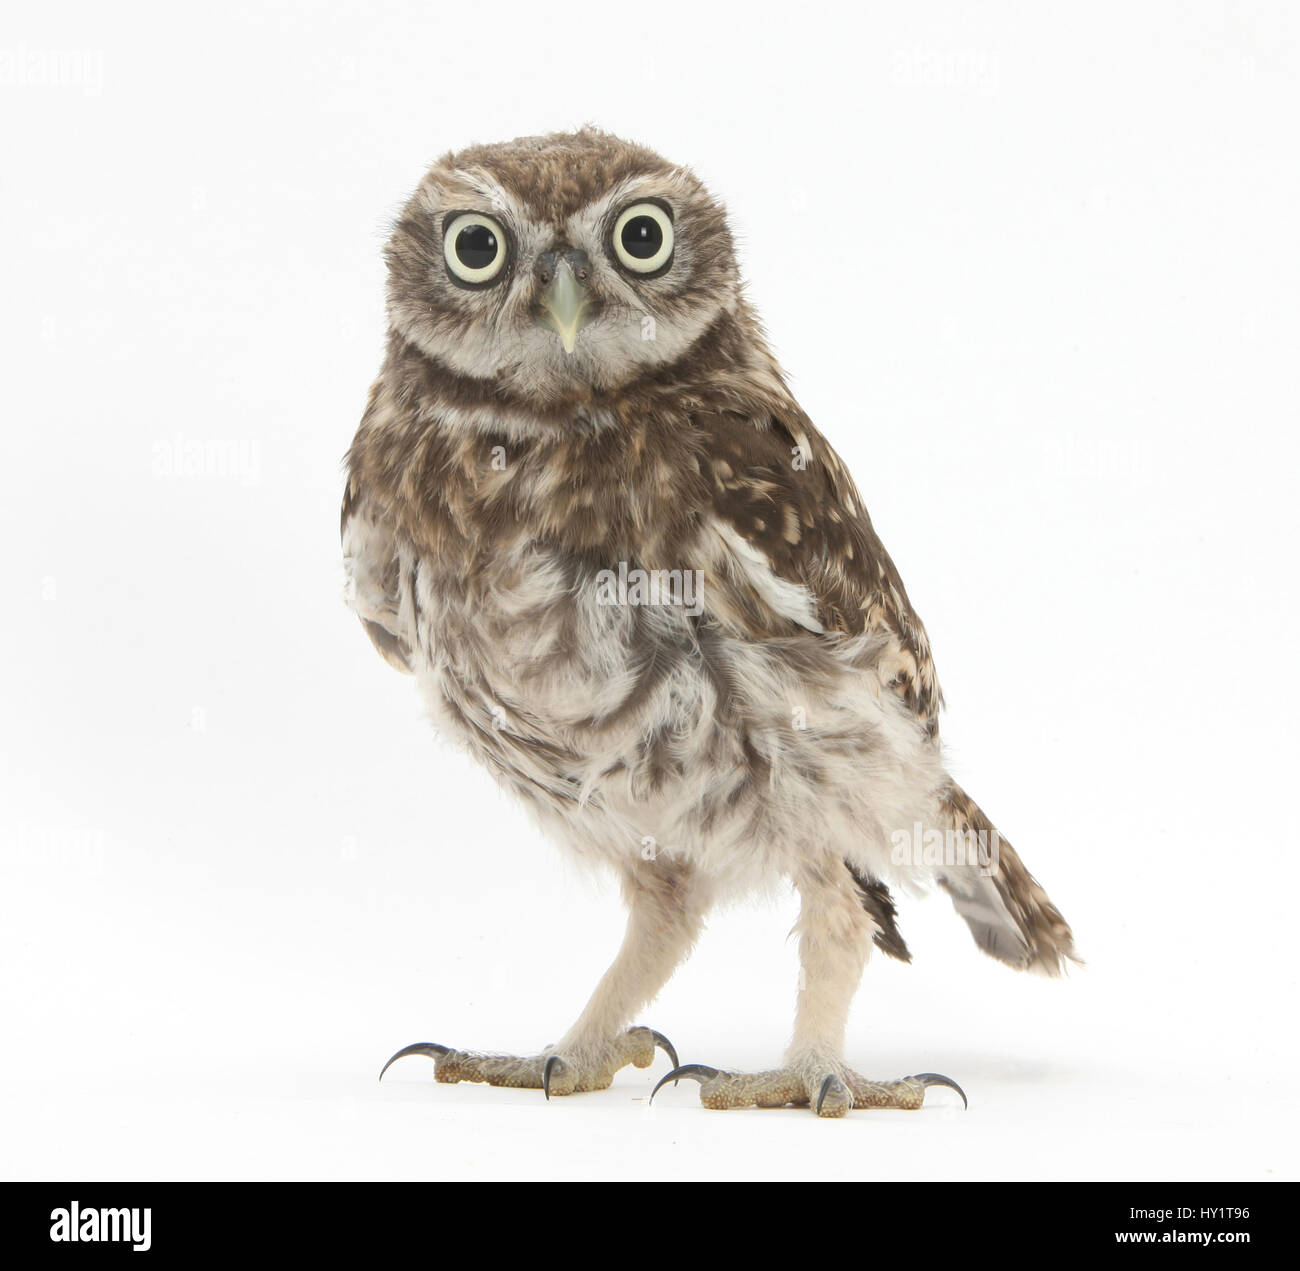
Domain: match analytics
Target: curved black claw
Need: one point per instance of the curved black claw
(432, 1049)
(929, 1079)
(832, 1083)
(552, 1061)
(666, 1046)
(699, 1072)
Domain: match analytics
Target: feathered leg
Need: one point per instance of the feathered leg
(835, 934)
(666, 907)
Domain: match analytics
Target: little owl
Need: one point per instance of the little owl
(584, 511)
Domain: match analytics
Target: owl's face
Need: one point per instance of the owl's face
(557, 266)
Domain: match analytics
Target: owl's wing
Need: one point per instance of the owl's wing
(798, 548)
(372, 563)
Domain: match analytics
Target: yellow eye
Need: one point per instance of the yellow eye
(474, 246)
(643, 238)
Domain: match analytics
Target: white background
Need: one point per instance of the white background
(1032, 268)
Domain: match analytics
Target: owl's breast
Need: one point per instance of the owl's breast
(553, 634)
(591, 690)
(547, 658)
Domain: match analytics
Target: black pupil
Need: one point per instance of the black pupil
(476, 247)
(642, 237)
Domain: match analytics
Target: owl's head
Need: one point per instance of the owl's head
(550, 266)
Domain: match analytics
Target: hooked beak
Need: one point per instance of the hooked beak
(566, 306)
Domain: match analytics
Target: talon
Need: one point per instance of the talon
(552, 1062)
(929, 1079)
(698, 1072)
(432, 1049)
(666, 1046)
(832, 1084)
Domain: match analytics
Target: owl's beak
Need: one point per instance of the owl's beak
(566, 305)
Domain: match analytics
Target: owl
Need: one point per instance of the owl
(631, 578)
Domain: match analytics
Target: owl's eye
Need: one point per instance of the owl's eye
(474, 246)
(643, 238)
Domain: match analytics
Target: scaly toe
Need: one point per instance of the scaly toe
(907, 1093)
(646, 1041)
(833, 1099)
(557, 1079)
(719, 1090)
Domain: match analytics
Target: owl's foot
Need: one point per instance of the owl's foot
(553, 1071)
(830, 1090)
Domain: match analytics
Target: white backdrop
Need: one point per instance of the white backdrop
(1033, 272)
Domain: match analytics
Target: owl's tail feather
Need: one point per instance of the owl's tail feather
(1009, 914)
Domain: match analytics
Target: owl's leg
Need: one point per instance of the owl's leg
(666, 907)
(835, 934)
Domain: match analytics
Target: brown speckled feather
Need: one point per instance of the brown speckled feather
(786, 492)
